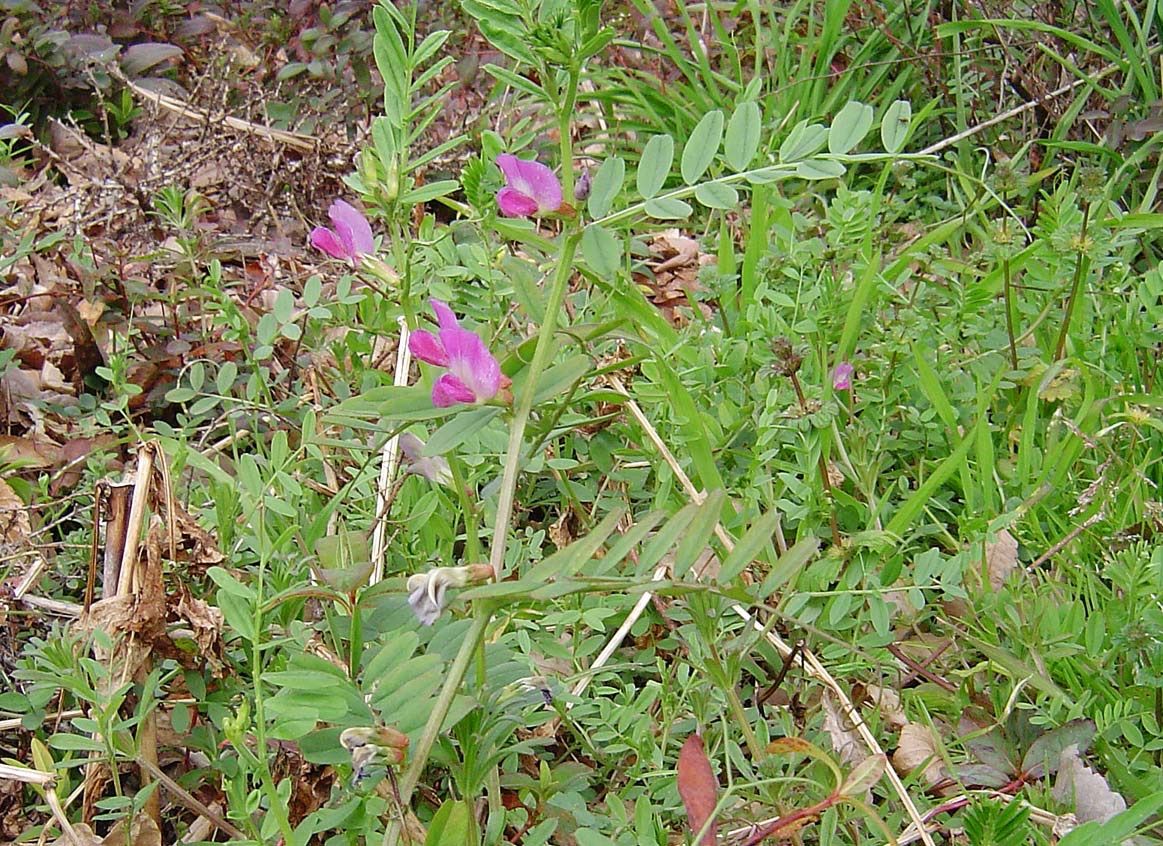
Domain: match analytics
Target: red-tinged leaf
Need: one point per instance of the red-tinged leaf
(698, 788)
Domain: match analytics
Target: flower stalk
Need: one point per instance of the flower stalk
(482, 613)
(541, 355)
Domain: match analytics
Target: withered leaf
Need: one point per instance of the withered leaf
(1089, 793)
(1001, 559)
(698, 788)
(846, 742)
(919, 747)
(15, 525)
(143, 832)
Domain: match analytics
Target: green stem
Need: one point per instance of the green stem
(1079, 271)
(541, 355)
(270, 789)
(452, 681)
(472, 536)
(565, 138)
(737, 710)
(1009, 291)
(482, 614)
(1009, 297)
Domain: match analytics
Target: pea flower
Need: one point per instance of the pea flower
(530, 188)
(473, 374)
(428, 592)
(434, 468)
(842, 376)
(371, 746)
(351, 235)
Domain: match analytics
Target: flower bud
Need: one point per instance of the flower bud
(583, 186)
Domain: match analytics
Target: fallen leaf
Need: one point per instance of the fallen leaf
(19, 452)
(863, 776)
(1089, 793)
(846, 742)
(85, 837)
(206, 623)
(143, 832)
(919, 747)
(888, 702)
(1001, 559)
(698, 788)
(15, 525)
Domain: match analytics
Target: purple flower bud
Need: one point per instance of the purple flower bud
(842, 376)
(581, 188)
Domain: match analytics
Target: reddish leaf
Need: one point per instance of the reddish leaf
(697, 787)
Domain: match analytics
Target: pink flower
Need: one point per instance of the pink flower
(842, 377)
(530, 188)
(351, 237)
(473, 374)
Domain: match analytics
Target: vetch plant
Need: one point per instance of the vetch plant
(428, 592)
(434, 468)
(842, 376)
(351, 236)
(530, 188)
(473, 373)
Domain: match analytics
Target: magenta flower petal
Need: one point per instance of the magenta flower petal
(352, 228)
(444, 316)
(531, 181)
(449, 390)
(327, 241)
(424, 346)
(350, 236)
(473, 373)
(513, 203)
(842, 376)
(470, 361)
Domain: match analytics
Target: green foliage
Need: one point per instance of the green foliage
(997, 823)
(675, 428)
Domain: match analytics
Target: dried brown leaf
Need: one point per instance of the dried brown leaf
(888, 702)
(206, 623)
(15, 525)
(1001, 559)
(143, 832)
(85, 837)
(698, 788)
(846, 741)
(919, 747)
(864, 775)
(1089, 793)
(28, 452)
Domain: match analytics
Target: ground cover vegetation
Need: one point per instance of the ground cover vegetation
(556, 421)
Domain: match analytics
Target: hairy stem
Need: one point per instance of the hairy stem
(1009, 297)
(1080, 269)
(541, 356)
